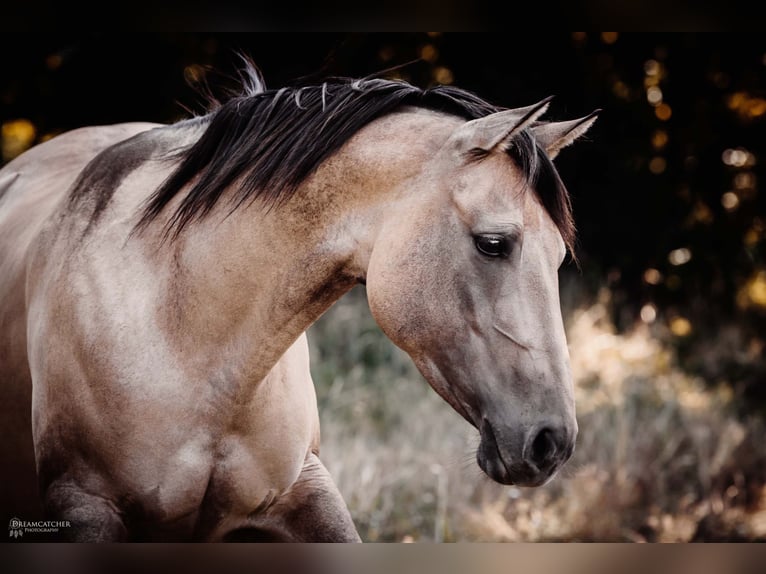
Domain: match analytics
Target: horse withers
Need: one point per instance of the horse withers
(156, 283)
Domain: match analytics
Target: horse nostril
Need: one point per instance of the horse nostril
(543, 447)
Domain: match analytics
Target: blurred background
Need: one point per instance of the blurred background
(665, 314)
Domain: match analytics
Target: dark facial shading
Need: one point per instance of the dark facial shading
(268, 142)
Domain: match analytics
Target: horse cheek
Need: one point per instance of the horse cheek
(392, 294)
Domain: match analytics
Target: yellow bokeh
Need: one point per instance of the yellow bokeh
(659, 139)
(680, 327)
(735, 100)
(621, 90)
(753, 292)
(443, 75)
(700, 213)
(730, 201)
(429, 53)
(752, 237)
(756, 107)
(652, 68)
(745, 105)
(17, 137)
(650, 81)
(652, 276)
(663, 112)
(657, 165)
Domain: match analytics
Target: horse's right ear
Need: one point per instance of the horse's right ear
(554, 136)
(496, 130)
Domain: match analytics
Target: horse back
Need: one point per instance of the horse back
(31, 188)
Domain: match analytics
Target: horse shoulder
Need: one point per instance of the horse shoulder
(31, 186)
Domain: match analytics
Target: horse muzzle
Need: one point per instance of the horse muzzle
(524, 457)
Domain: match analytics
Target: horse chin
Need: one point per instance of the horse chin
(497, 471)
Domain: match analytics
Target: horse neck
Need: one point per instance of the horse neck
(260, 277)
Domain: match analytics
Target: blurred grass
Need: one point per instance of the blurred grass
(662, 455)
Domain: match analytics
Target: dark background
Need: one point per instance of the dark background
(644, 182)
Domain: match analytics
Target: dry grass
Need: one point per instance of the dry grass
(660, 456)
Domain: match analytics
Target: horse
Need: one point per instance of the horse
(157, 281)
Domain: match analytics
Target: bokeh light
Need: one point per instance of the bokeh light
(648, 313)
(429, 53)
(680, 256)
(652, 68)
(654, 95)
(652, 276)
(753, 292)
(663, 112)
(744, 180)
(701, 214)
(621, 90)
(657, 165)
(579, 37)
(680, 327)
(17, 136)
(747, 106)
(443, 75)
(730, 201)
(737, 157)
(659, 139)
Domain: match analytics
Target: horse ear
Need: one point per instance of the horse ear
(496, 130)
(554, 136)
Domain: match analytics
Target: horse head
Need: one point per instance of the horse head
(464, 278)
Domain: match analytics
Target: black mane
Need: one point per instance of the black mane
(270, 141)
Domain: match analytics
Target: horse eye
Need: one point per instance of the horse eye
(492, 245)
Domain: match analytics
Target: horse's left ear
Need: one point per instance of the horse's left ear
(496, 130)
(554, 136)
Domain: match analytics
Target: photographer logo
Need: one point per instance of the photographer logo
(17, 527)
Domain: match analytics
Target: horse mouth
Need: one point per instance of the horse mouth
(492, 462)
